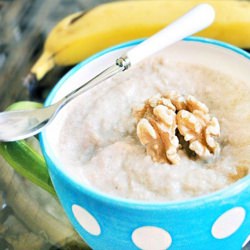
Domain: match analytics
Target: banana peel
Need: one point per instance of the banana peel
(81, 34)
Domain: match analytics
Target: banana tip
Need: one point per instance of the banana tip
(30, 80)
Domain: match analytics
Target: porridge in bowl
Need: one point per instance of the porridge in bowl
(98, 142)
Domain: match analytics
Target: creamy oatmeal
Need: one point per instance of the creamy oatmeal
(98, 144)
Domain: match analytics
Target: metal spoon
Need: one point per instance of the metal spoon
(16, 125)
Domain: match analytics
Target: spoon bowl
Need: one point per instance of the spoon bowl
(17, 125)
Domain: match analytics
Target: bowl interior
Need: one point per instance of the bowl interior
(212, 54)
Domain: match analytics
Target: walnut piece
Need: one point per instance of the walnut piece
(156, 129)
(178, 100)
(200, 131)
(193, 104)
(161, 117)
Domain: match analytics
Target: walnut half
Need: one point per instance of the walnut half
(162, 116)
(156, 129)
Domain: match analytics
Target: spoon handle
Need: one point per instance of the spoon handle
(193, 21)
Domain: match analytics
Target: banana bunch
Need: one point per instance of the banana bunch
(82, 34)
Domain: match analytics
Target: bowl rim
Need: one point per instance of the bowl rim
(228, 191)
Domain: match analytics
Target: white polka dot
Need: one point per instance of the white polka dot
(149, 237)
(228, 223)
(246, 241)
(86, 220)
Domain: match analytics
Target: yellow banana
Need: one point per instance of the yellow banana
(83, 34)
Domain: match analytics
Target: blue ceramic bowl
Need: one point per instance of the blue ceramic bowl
(217, 221)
